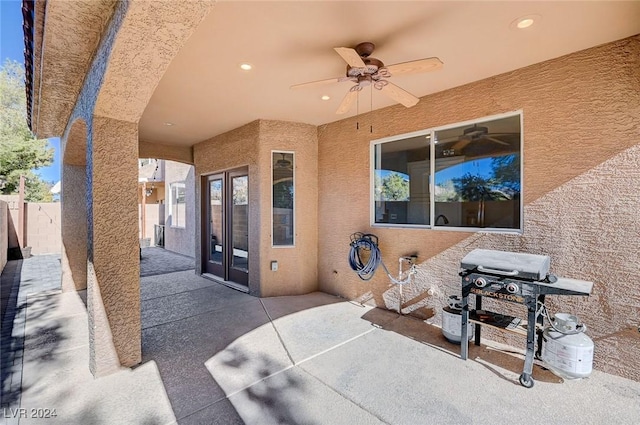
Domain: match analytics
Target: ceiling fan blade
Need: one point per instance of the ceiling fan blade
(321, 82)
(461, 144)
(348, 100)
(449, 139)
(399, 95)
(493, 139)
(415, 67)
(350, 56)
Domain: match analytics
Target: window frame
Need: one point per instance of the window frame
(372, 178)
(432, 160)
(172, 205)
(294, 218)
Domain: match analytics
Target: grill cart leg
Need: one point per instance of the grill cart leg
(525, 379)
(539, 321)
(464, 341)
(477, 325)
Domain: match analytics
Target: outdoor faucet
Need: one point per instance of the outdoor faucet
(444, 219)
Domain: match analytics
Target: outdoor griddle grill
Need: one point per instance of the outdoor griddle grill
(517, 278)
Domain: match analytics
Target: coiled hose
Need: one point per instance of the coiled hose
(365, 270)
(366, 242)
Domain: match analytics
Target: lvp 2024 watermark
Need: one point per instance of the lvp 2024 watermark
(21, 412)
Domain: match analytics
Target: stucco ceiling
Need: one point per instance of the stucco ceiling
(204, 93)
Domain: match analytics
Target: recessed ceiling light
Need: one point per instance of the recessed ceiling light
(524, 22)
(168, 124)
(325, 97)
(246, 66)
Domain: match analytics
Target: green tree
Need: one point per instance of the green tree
(395, 188)
(506, 173)
(20, 152)
(476, 188)
(446, 192)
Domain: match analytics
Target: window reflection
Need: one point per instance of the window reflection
(283, 198)
(401, 181)
(478, 175)
(215, 196)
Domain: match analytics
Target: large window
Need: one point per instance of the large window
(178, 205)
(401, 180)
(283, 199)
(474, 171)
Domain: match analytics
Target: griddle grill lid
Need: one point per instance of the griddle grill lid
(514, 264)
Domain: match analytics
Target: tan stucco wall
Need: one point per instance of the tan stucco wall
(43, 224)
(12, 218)
(65, 49)
(154, 215)
(126, 62)
(251, 146)
(579, 112)
(172, 153)
(73, 197)
(114, 230)
(297, 266)
(41, 228)
(74, 227)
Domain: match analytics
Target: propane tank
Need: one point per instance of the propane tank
(566, 350)
(452, 321)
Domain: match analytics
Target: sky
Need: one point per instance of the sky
(12, 47)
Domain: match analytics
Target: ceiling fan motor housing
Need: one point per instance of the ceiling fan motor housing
(475, 131)
(365, 49)
(372, 65)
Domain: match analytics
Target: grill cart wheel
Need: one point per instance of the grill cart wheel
(526, 380)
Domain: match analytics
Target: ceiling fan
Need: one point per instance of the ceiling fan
(283, 162)
(477, 133)
(367, 71)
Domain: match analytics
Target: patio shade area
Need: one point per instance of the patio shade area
(212, 355)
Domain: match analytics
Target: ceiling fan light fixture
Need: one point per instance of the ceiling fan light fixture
(246, 66)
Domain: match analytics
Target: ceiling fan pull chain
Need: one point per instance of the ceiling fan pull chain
(358, 110)
(371, 108)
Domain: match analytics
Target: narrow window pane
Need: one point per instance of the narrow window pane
(477, 175)
(178, 205)
(240, 230)
(401, 181)
(283, 199)
(215, 196)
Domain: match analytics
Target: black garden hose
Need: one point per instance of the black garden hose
(368, 243)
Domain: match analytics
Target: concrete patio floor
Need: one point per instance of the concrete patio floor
(212, 355)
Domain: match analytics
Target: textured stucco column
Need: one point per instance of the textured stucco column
(113, 296)
(74, 227)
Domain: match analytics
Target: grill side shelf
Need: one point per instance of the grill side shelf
(500, 321)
